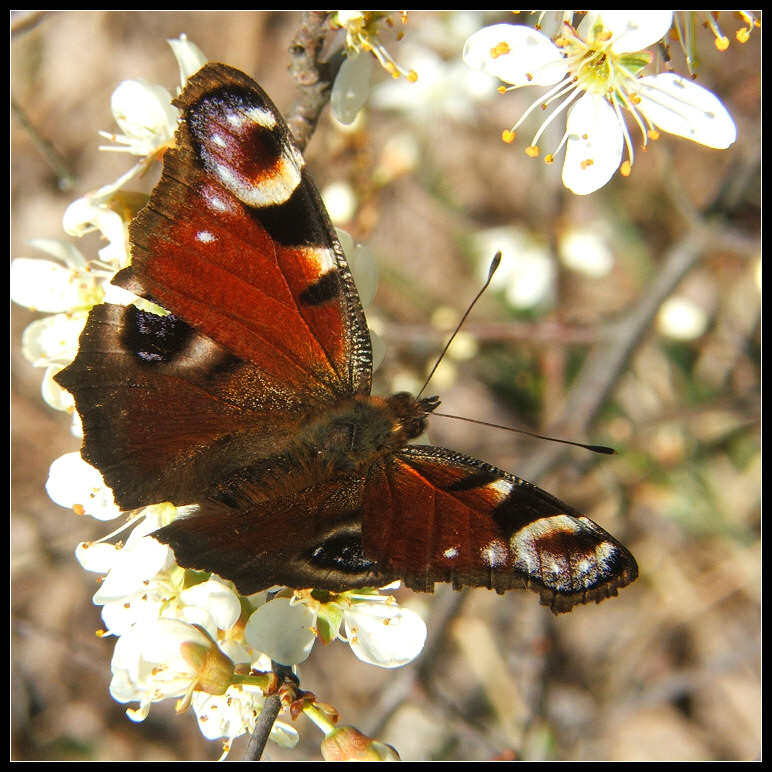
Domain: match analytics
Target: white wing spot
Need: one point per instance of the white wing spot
(502, 487)
(206, 237)
(450, 553)
(494, 554)
(262, 117)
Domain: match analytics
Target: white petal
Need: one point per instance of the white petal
(594, 146)
(218, 599)
(145, 113)
(282, 630)
(164, 639)
(630, 30)
(132, 568)
(74, 483)
(533, 59)
(53, 394)
(351, 87)
(189, 56)
(681, 107)
(89, 212)
(120, 616)
(43, 285)
(61, 250)
(96, 556)
(53, 339)
(384, 634)
(284, 735)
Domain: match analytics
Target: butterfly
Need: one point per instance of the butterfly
(251, 398)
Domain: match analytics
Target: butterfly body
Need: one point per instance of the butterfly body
(251, 397)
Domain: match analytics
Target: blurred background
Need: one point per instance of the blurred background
(630, 317)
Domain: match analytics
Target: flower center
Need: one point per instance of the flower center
(596, 67)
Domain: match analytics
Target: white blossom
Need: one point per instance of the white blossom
(594, 72)
(378, 630)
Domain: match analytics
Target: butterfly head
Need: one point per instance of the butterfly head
(410, 414)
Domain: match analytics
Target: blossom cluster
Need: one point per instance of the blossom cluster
(596, 69)
(594, 73)
(181, 635)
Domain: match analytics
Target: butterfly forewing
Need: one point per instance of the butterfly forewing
(235, 240)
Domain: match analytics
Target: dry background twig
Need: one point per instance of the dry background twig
(670, 669)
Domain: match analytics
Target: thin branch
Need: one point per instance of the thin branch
(313, 69)
(607, 361)
(65, 177)
(267, 718)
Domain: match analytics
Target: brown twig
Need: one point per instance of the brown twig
(313, 70)
(607, 360)
(267, 718)
(65, 177)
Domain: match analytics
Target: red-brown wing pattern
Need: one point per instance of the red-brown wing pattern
(434, 515)
(266, 326)
(311, 538)
(236, 242)
(165, 411)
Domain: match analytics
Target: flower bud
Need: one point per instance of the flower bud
(347, 743)
(214, 670)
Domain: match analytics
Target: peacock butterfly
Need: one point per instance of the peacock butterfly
(251, 398)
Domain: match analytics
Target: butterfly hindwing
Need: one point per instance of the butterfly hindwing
(310, 538)
(435, 515)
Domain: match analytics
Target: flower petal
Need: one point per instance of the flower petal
(188, 55)
(594, 146)
(217, 598)
(384, 634)
(630, 30)
(282, 630)
(145, 114)
(681, 107)
(133, 567)
(44, 285)
(351, 87)
(529, 58)
(74, 483)
(52, 339)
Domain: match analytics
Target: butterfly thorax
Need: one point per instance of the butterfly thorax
(359, 431)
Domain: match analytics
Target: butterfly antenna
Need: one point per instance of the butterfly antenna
(494, 265)
(594, 448)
